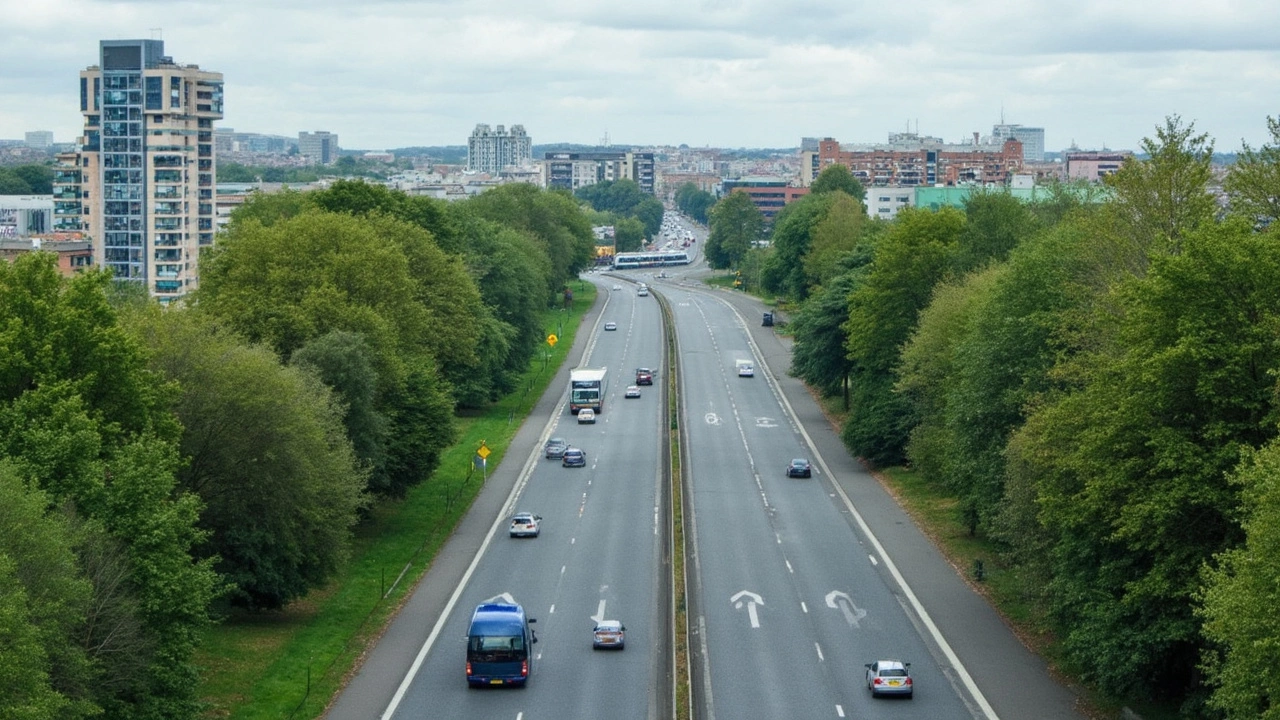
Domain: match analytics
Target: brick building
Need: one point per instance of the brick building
(909, 160)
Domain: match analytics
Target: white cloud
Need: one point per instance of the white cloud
(720, 72)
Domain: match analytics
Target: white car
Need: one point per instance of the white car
(633, 391)
(611, 325)
(746, 369)
(890, 677)
(525, 524)
(617, 287)
(586, 415)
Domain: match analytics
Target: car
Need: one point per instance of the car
(617, 287)
(555, 448)
(586, 415)
(644, 376)
(574, 457)
(746, 369)
(611, 325)
(643, 292)
(525, 524)
(609, 634)
(890, 677)
(799, 467)
(633, 391)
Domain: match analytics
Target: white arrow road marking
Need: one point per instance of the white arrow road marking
(599, 616)
(712, 419)
(837, 600)
(752, 601)
(504, 597)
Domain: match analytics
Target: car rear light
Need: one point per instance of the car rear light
(878, 681)
(908, 681)
(468, 668)
(524, 668)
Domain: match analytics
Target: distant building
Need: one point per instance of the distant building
(909, 159)
(39, 139)
(1093, 165)
(884, 202)
(141, 185)
(319, 148)
(1032, 140)
(489, 151)
(572, 170)
(25, 215)
(769, 195)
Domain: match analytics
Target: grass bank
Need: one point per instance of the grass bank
(289, 664)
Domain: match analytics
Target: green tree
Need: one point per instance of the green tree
(911, 258)
(628, 234)
(344, 363)
(1239, 598)
(1130, 469)
(694, 202)
(837, 234)
(818, 356)
(1161, 199)
(736, 224)
(44, 604)
(995, 223)
(1253, 182)
(838, 177)
(790, 238)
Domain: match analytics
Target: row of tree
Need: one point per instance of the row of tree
(26, 180)
(1094, 378)
(636, 216)
(694, 203)
(157, 464)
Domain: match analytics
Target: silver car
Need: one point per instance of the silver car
(609, 634)
(890, 677)
(525, 525)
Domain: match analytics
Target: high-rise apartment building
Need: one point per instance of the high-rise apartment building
(142, 180)
(572, 170)
(319, 148)
(39, 139)
(489, 151)
(1032, 140)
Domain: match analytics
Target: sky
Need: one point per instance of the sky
(384, 74)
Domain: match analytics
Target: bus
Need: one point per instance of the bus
(662, 258)
(586, 389)
(499, 644)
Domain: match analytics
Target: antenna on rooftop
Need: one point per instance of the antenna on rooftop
(157, 33)
(604, 141)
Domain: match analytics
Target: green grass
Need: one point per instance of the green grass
(289, 664)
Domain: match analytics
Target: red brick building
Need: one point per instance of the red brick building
(908, 160)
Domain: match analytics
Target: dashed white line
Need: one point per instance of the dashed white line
(873, 560)
(818, 647)
(839, 711)
(804, 607)
(563, 568)
(552, 611)
(789, 568)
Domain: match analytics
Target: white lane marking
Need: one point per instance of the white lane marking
(789, 568)
(599, 616)
(552, 611)
(519, 715)
(839, 711)
(818, 647)
(873, 560)
(563, 568)
(573, 540)
(779, 537)
(804, 607)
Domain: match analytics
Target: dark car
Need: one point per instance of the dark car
(644, 376)
(799, 468)
(555, 448)
(573, 457)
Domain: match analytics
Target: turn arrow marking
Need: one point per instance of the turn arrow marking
(752, 601)
(837, 600)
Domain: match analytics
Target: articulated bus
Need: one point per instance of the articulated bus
(586, 389)
(632, 260)
(499, 644)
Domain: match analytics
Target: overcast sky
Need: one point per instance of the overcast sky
(724, 73)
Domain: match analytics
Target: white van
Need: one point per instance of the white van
(746, 369)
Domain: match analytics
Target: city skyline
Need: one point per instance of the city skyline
(723, 73)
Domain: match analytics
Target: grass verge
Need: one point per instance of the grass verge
(291, 663)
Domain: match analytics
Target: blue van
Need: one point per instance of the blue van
(499, 645)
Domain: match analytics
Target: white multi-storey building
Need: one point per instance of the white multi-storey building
(489, 151)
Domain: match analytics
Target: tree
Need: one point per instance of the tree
(628, 234)
(1161, 199)
(818, 356)
(836, 235)
(790, 239)
(694, 202)
(1253, 182)
(909, 261)
(344, 363)
(268, 452)
(1130, 468)
(1239, 596)
(736, 225)
(995, 223)
(838, 177)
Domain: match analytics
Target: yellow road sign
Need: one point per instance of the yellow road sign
(483, 452)
(552, 339)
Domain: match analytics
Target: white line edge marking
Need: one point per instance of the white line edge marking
(923, 614)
